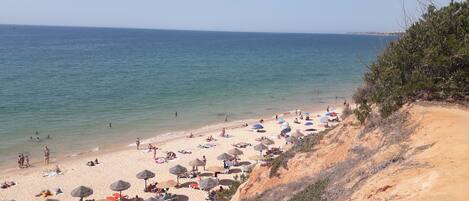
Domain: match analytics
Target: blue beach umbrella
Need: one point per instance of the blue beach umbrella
(280, 120)
(285, 130)
(308, 123)
(257, 126)
(323, 119)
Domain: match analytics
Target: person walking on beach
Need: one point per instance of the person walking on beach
(204, 160)
(46, 155)
(110, 125)
(137, 142)
(226, 118)
(176, 114)
(154, 152)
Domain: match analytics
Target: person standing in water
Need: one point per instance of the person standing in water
(110, 125)
(46, 155)
(176, 114)
(137, 142)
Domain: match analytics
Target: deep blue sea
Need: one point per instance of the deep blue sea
(70, 82)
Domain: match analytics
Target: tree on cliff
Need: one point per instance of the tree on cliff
(430, 61)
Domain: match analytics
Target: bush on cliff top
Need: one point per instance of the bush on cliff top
(430, 61)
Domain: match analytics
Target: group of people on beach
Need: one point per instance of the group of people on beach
(23, 161)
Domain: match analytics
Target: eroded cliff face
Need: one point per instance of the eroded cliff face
(419, 153)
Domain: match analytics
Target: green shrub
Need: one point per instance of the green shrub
(226, 194)
(430, 61)
(313, 192)
(309, 142)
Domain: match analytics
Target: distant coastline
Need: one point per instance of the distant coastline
(377, 33)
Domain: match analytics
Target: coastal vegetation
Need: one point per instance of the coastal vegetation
(430, 61)
(306, 145)
(313, 192)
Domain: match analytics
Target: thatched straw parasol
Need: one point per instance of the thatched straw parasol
(145, 175)
(224, 157)
(81, 192)
(120, 186)
(177, 170)
(196, 162)
(235, 152)
(260, 147)
(267, 141)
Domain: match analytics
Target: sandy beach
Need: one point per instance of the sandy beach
(125, 162)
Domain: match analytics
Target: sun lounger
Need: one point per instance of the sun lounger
(160, 160)
(185, 151)
(241, 145)
(206, 146)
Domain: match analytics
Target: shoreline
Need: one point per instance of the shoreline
(157, 139)
(123, 162)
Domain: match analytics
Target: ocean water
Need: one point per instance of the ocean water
(70, 82)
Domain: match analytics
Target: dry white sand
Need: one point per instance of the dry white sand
(126, 163)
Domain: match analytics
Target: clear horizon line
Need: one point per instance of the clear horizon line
(201, 30)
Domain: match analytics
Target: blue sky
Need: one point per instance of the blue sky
(310, 16)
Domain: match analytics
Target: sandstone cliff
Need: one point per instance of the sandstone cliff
(419, 153)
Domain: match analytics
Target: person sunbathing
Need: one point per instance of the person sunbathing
(170, 155)
(210, 138)
(57, 169)
(296, 121)
(44, 193)
(90, 163)
(185, 151)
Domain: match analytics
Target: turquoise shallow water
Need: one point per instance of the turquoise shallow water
(71, 82)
